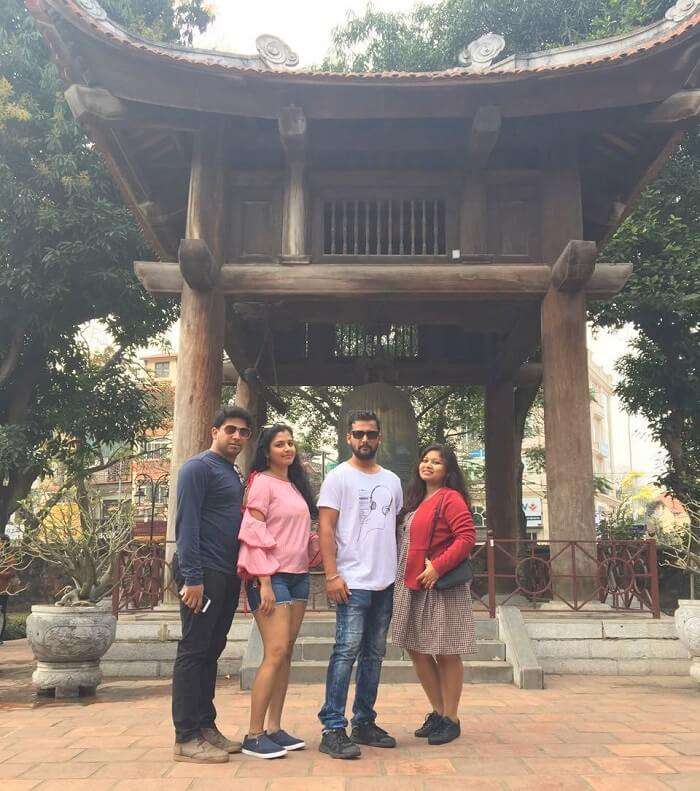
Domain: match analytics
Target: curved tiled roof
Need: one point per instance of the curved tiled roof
(89, 16)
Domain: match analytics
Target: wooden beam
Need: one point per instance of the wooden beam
(269, 283)
(652, 171)
(575, 266)
(95, 104)
(529, 375)
(486, 127)
(292, 127)
(483, 316)
(522, 340)
(357, 281)
(355, 372)
(197, 264)
(99, 105)
(501, 490)
(608, 280)
(681, 106)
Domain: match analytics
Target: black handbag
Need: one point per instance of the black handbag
(462, 573)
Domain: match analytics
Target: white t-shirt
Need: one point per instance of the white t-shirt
(366, 530)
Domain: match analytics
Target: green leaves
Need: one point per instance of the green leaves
(67, 246)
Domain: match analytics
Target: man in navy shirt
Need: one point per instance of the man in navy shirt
(209, 502)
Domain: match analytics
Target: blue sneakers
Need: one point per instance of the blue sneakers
(262, 746)
(286, 740)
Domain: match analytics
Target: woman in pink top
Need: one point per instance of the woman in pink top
(276, 545)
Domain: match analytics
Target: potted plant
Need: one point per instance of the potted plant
(69, 638)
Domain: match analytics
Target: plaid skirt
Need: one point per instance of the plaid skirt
(436, 622)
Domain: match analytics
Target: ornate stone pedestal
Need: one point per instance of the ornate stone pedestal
(68, 643)
(687, 620)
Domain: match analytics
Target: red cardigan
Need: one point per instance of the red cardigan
(452, 541)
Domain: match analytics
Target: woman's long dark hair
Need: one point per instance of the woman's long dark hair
(297, 474)
(453, 480)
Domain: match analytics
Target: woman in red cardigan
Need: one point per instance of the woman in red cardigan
(435, 626)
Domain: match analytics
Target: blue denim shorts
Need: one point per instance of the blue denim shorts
(286, 586)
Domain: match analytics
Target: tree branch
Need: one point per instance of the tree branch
(446, 393)
(9, 364)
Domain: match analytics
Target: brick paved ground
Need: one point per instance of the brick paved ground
(581, 732)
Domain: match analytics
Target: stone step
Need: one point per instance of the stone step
(318, 649)
(402, 672)
(324, 626)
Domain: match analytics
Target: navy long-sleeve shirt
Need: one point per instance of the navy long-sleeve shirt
(209, 502)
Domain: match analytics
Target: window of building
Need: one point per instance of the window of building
(162, 369)
(157, 448)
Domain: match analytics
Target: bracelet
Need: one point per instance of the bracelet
(334, 577)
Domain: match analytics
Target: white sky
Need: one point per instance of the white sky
(305, 25)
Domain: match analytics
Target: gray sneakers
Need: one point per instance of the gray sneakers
(215, 737)
(199, 751)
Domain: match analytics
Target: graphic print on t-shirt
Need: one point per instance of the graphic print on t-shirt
(374, 508)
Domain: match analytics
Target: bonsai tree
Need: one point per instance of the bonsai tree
(84, 545)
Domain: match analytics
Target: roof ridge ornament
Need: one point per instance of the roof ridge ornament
(93, 8)
(681, 10)
(275, 53)
(479, 55)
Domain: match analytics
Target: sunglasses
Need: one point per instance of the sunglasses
(363, 434)
(242, 431)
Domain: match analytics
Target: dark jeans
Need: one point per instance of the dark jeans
(361, 627)
(203, 640)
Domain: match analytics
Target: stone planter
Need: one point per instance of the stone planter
(687, 620)
(68, 643)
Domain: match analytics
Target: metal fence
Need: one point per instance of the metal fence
(566, 576)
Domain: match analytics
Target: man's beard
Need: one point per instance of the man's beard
(365, 452)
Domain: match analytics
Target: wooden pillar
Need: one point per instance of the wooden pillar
(248, 399)
(501, 474)
(202, 318)
(567, 421)
(292, 126)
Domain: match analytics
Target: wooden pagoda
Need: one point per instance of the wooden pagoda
(307, 219)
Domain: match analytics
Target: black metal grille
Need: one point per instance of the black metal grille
(384, 227)
(395, 341)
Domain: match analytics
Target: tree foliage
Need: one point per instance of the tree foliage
(67, 243)
(659, 377)
(430, 36)
(444, 413)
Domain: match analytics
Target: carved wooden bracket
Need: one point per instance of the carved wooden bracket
(94, 104)
(197, 265)
(681, 106)
(575, 266)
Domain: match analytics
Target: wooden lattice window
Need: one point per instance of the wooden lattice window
(384, 227)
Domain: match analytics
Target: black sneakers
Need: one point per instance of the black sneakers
(372, 735)
(335, 742)
(447, 731)
(431, 724)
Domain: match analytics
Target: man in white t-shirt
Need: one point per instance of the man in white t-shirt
(358, 505)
